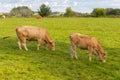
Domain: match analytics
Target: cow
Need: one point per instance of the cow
(87, 43)
(32, 33)
(38, 17)
(3, 16)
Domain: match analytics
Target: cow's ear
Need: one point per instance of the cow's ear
(51, 42)
(105, 53)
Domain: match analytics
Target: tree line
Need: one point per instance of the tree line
(45, 11)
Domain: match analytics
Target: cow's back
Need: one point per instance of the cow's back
(82, 41)
(74, 38)
(30, 32)
(79, 38)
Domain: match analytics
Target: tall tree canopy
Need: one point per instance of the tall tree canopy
(44, 10)
(111, 11)
(99, 12)
(69, 12)
(22, 11)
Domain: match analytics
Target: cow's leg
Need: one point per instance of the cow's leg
(74, 54)
(100, 55)
(71, 52)
(24, 44)
(38, 43)
(96, 54)
(19, 44)
(45, 45)
(90, 53)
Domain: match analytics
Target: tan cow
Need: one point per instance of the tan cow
(89, 43)
(33, 33)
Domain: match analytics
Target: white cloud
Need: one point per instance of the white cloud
(75, 3)
(59, 5)
(65, 1)
(116, 5)
(46, 3)
(54, 4)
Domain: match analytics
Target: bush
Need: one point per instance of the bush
(99, 12)
(69, 12)
(21, 12)
(44, 10)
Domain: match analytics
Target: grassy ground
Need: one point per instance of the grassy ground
(18, 64)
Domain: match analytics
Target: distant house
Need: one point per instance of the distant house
(55, 14)
(35, 13)
(2, 15)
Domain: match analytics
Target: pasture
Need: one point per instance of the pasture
(44, 64)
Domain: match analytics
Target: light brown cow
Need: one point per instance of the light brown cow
(89, 43)
(38, 17)
(33, 33)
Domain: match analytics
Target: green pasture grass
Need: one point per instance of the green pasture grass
(44, 64)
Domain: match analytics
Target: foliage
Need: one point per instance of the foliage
(111, 11)
(99, 12)
(69, 12)
(44, 10)
(18, 64)
(22, 11)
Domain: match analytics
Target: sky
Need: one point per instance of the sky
(83, 6)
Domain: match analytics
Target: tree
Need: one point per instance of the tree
(44, 10)
(111, 11)
(69, 12)
(99, 12)
(23, 11)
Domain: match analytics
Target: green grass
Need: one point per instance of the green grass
(18, 64)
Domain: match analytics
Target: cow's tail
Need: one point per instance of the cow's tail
(5, 37)
(9, 36)
(70, 37)
(17, 32)
(71, 40)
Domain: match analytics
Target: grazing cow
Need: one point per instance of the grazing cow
(38, 17)
(3, 16)
(32, 33)
(89, 43)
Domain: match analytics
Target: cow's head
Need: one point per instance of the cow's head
(52, 45)
(104, 54)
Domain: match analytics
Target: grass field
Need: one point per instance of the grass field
(18, 64)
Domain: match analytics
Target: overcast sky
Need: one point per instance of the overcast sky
(60, 5)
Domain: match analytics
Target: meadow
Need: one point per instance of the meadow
(44, 64)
